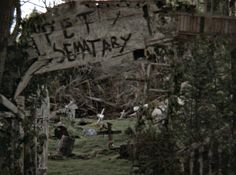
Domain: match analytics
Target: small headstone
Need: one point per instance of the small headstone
(66, 145)
(60, 130)
(71, 109)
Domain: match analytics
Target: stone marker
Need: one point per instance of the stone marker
(60, 130)
(71, 109)
(66, 145)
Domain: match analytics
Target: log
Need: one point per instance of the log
(159, 90)
(103, 101)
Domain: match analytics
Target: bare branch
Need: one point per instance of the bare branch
(45, 3)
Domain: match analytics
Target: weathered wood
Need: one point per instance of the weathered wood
(159, 90)
(28, 75)
(7, 115)
(42, 115)
(103, 101)
(20, 101)
(164, 65)
(210, 160)
(8, 104)
(109, 132)
(82, 34)
(191, 163)
(208, 24)
(201, 164)
(135, 79)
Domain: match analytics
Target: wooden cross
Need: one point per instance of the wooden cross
(100, 116)
(109, 132)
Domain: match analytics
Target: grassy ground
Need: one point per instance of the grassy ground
(95, 158)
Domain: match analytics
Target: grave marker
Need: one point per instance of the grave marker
(109, 132)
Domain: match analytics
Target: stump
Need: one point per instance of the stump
(66, 145)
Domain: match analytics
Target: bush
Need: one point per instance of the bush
(155, 153)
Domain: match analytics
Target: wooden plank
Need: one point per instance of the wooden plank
(8, 104)
(197, 25)
(28, 75)
(158, 90)
(182, 23)
(160, 64)
(85, 35)
(107, 132)
(185, 27)
(102, 101)
(188, 23)
(42, 116)
(9, 115)
(88, 31)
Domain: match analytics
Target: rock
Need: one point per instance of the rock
(90, 132)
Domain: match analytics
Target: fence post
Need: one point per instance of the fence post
(20, 101)
(42, 115)
(191, 162)
(201, 150)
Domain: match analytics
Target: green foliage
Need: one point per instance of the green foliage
(155, 152)
(11, 145)
(129, 131)
(204, 87)
(200, 107)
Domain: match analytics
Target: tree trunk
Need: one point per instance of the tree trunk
(233, 57)
(6, 18)
(232, 7)
(233, 67)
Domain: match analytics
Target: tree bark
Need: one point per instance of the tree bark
(233, 57)
(6, 19)
(232, 7)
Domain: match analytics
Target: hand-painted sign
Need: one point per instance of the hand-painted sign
(76, 33)
(80, 35)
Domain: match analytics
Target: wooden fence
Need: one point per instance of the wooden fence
(195, 24)
(207, 160)
(210, 157)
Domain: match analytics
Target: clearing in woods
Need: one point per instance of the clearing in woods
(92, 154)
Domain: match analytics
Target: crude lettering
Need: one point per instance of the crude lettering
(55, 49)
(93, 45)
(106, 46)
(84, 18)
(48, 33)
(66, 23)
(125, 42)
(114, 43)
